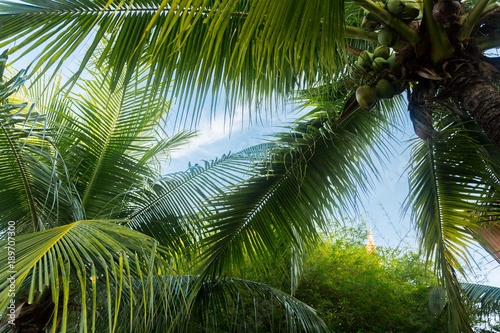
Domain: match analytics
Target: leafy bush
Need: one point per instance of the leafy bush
(356, 291)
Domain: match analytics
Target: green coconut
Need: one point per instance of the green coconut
(384, 89)
(411, 11)
(369, 26)
(398, 86)
(382, 52)
(365, 59)
(366, 97)
(395, 6)
(392, 60)
(387, 37)
(380, 64)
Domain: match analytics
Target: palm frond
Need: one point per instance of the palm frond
(453, 186)
(165, 146)
(47, 99)
(229, 298)
(201, 43)
(228, 304)
(107, 138)
(78, 259)
(32, 194)
(172, 207)
(322, 166)
(12, 166)
(487, 297)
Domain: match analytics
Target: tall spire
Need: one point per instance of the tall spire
(370, 244)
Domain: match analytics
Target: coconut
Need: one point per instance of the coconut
(357, 68)
(411, 11)
(387, 37)
(365, 59)
(395, 6)
(382, 52)
(369, 26)
(366, 97)
(380, 64)
(446, 11)
(384, 89)
(398, 86)
(392, 60)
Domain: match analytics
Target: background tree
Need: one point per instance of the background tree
(354, 290)
(390, 290)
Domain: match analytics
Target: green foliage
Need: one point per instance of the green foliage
(96, 163)
(356, 291)
(120, 270)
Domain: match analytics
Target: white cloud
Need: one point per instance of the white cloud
(211, 131)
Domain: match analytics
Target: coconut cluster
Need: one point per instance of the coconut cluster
(381, 59)
(406, 11)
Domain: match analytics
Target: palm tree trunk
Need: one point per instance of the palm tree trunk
(476, 94)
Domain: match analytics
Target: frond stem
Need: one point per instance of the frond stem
(488, 42)
(441, 47)
(103, 153)
(358, 33)
(471, 19)
(126, 10)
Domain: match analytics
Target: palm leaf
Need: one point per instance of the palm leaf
(12, 165)
(488, 297)
(32, 194)
(230, 298)
(162, 149)
(228, 304)
(322, 166)
(453, 184)
(108, 138)
(201, 43)
(172, 207)
(96, 254)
